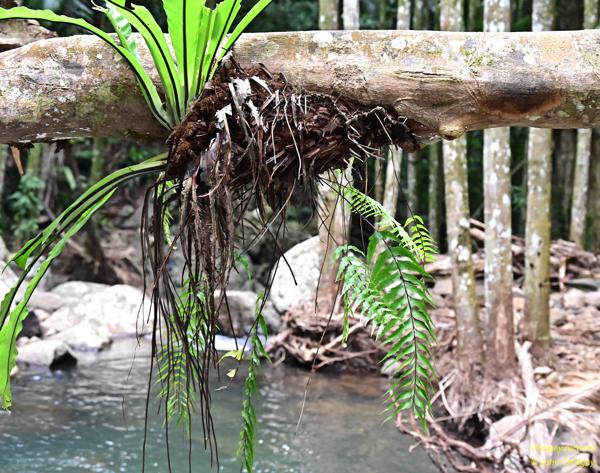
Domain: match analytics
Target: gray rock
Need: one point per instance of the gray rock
(47, 301)
(305, 260)
(242, 308)
(443, 287)
(85, 336)
(73, 291)
(573, 299)
(114, 308)
(592, 299)
(49, 353)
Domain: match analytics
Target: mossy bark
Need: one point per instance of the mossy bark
(456, 192)
(329, 17)
(536, 318)
(577, 226)
(444, 83)
(500, 356)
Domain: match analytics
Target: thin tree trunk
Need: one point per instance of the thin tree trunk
(536, 320)
(412, 181)
(500, 357)
(403, 15)
(419, 16)
(456, 192)
(594, 192)
(392, 180)
(329, 17)
(565, 154)
(434, 209)
(333, 228)
(582, 162)
(591, 21)
(468, 332)
(351, 14)
(474, 19)
(538, 236)
(580, 187)
(3, 158)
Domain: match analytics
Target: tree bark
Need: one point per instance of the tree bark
(3, 158)
(580, 188)
(594, 192)
(403, 15)
(17, 33)
(392, 180)
(445, 83)
(351, 15)
(456, 185)
(577, 229)
(333, 228)
(434, 208)
(536, 319)
(466, 308)
(418, 15)
(500, 356)
(329, 17)
(565, 156)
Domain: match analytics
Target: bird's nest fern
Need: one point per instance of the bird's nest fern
(240, 139)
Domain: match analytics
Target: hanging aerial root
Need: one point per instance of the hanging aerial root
(251, 127)
(245, 144)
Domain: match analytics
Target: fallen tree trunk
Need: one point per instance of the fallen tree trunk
(444, 83)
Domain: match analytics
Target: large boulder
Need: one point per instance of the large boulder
(73, 292)
(114, 307)
(49, 353)
(305, 261)
(91, 314)
(242, 310)
(87, 335)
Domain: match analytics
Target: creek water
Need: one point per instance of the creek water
(91, 419)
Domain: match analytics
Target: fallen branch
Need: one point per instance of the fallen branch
(445, 83)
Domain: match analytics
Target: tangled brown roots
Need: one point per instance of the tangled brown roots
(246, 143)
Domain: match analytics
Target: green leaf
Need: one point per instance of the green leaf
(142, 20)
(9, 331)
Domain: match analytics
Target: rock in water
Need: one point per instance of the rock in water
(50, 353)
(305, 260)
(113, 308)
(242, 310)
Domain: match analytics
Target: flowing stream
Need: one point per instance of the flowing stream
(91, 419)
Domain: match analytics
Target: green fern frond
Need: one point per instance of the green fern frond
(389, 293)
(249, 420)
(178, 382)
(413, 234)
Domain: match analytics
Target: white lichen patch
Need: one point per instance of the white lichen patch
(398, 43)
(323, 38)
